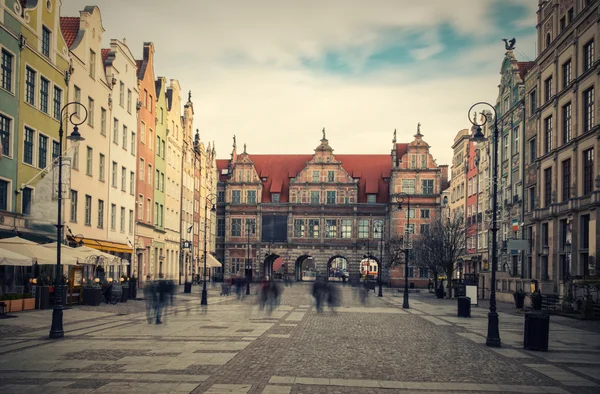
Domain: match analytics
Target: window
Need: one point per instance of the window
(7, 70)
(157, 179)
(27, 199)
(44, 91)
(30, 76)
(331, 197)
(90, 119)
(250, 227)
(275, 197)
(547, 134)
(158, 145)
(330, 176)
(101, 168)
(532, 150)
(424, 229)
(299, 229)
(115, 131)
(408, 186)
(55, 150)
(425, 214)
(92, 64)
(413, 161)
(162, 182)
(132, 148)
(123, 179)
(88, 210)
(236, 196)
(566, 180)
(570, 15)
(588, 109)
(566, 68)
(121, 93)
(363, 228)
(315, 197)
(148, 211)
(42, 151)
(313, 228)
(515, 143)
(73, 215)
(150, 138)
(113, 178)
(236, 227)
(143, 133)
(563, 23)
(532, 102)
(131, 221)
(371, 198)
(566, 123)
(423, 161)
(142, 165)
(156, 214)
(122, 222)
(129, 100)
(57, 102)
(251, 197)
(548, 40)
(588, 55)
(505, 150)
(220, 227)
(316, 176)
(5, 129)
(113, 217)
(409, 213)
(162, 153)
(547, 186)
(220, 196)
(76, 158)
(149, 174)
(377, 228)
(532, 198)
(45, 41)
(77, 99)
(588, 171)
(131, 182)
(427, 186)
(140, 211)
(331, 228)
(346, 228)
(548, 88)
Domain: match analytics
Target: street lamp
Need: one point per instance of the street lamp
(249, 227)
(379, 231)
(209, 200)
(400, 198)
(56, 330)
(493, 334)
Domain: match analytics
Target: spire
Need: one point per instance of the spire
(324, 137)
(197, 139)
(234, 143)
(394, 140)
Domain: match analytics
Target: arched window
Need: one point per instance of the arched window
(548, 40)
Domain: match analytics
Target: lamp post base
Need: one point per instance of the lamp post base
(405, 303)
(204, 300)
(380, 294)
(248, 288)
(56, 330)
(493, 334)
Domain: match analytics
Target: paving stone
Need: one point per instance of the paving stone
(271, 389)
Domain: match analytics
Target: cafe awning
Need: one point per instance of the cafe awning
(211, 261)
(107, 246)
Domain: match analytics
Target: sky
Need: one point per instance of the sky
(275, 72)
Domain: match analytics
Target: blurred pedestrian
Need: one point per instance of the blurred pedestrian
(150, 297)
(161, 297)
(319, 293)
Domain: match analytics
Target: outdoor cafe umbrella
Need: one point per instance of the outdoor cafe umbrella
(28, 249)
(11, 258)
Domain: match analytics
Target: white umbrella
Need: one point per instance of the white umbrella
(11, 258)
(28, 249)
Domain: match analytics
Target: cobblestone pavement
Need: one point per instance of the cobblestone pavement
(233, 347)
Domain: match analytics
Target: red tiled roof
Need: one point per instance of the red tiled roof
(104, 52)
(69, 26)
(370, 169)
(524, 67)
(401, 150)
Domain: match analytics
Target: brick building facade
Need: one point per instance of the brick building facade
(274, 212)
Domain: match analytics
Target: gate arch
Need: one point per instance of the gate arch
(300, 261)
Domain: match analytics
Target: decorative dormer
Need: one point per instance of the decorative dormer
(324, 152)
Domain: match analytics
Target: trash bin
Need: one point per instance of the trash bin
(536, 332)
(439, 293)
(187, 287)
(464, 307)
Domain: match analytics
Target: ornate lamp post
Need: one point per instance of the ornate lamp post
(493, 334)
(379, 230)
(210, 199)
(400, 198)
(56, 330)
(248, 270)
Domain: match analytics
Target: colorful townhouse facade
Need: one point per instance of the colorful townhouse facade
(160, 121)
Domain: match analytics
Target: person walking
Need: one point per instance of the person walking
(150, 297)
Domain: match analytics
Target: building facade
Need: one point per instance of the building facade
(188, 224)
(563, 112)
(160, 121)
(120, 69)
(10, 98)
(41, 81)
(276, 213)
(146, 109)
(174, 177)
(89, 217)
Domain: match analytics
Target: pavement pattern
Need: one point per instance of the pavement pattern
(231, 346)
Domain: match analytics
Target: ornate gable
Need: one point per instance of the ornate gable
(417, 154)
(244, 170)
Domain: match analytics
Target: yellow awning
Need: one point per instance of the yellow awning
(211, 261)
(107, 246)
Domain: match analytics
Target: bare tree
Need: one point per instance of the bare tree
(441, 248)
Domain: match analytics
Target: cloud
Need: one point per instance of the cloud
(275, 72)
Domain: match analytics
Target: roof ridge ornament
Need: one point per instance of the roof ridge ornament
(509, 44)
(324, 138)
(394, 140)
(245, 149)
